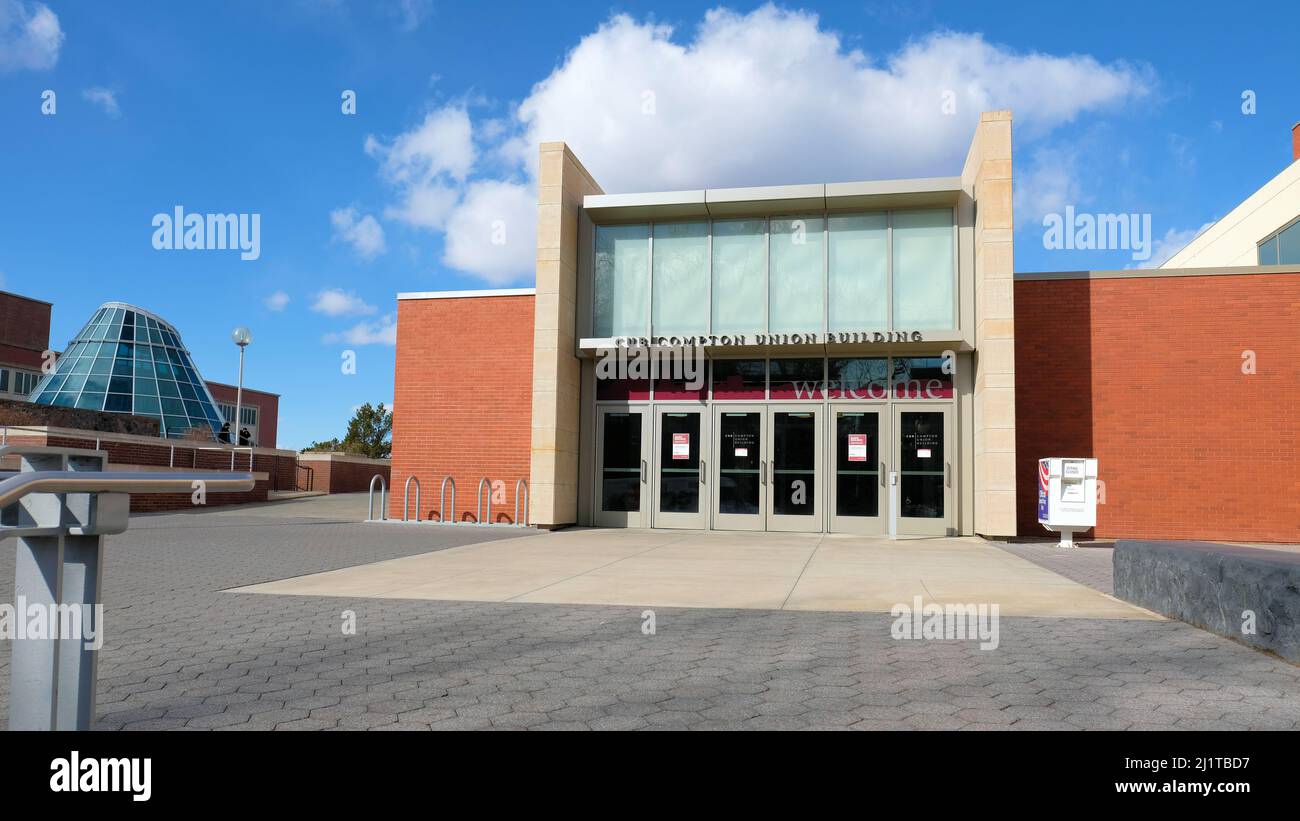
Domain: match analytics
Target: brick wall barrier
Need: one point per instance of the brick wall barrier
(341, 472)
(463, 389)
(1147, 375)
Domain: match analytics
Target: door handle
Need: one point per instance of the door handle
(704, 467)
(947, 474)
(762, 472)
(882, 474)
(642, 470)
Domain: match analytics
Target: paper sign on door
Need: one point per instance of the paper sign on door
(681, 446)
(857, 447)
(922, 453)
(742, 451)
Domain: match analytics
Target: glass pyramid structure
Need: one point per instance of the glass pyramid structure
(127, 360)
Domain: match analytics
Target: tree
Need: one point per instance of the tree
(369, 434)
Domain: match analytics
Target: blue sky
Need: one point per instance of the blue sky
(235, 108)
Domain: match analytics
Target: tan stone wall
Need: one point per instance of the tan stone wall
(562, 183)
(987, 179)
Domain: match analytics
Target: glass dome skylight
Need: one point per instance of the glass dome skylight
(126, 360)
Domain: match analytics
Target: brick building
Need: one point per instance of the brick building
(24, 337)
(862, 346)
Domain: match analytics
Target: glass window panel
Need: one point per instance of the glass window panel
(147, 405)
(919, 377)
(55, 384)
(122, 367)
(795, 299)
(173, 407)
(154, 336)
(739, 251)
(739, 379)
(87, 401)
(166, 387)
(620, 485)
(143, 368)
(175, 425)
(681, 278)
(866, 378)
(4, 380)
(82, 365)
(119, 384)
(924, 279)
(622, 279)
(144, 352)
(118, 403)
(1288, 246)
(187, 390)
(1269, 251)
(163, 370)
(97, 383)
(130, 318)
(795, 378)
(101, 365)
(127, 333)
(193, 409)
(75, 382)
(859, 272)
(148, 387)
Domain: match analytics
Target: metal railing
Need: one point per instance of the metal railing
(60, 505)
(442, 500)
(383, 499)
(478, 500)
(524, 521)
(406, 498)
(447, 514)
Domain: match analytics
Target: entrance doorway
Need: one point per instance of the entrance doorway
(769, 466)
(922, 454)
(680, 469)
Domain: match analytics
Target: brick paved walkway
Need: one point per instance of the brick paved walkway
(182, 654)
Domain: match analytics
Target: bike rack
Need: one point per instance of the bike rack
(60, 505)
(406, 497)
(442, 500)
(383, 499)
(521, 522)
(478, 500)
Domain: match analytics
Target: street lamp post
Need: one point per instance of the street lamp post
(241, 337)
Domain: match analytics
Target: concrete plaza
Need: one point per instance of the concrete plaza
(183, 652)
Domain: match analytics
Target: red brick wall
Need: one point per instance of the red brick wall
(462, 399)
(268, 409)
(1145, 374)
(339, 476)
(24, 324)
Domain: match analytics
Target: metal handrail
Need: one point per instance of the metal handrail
(57, 481)
(524, 523)
(442, 499)
(383, 497)
(478, 500)
(406, 497)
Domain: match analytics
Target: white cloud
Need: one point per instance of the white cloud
(411, 13)
(493, 232)
(30, 36)
(276, 301)
(763, 98)
(336, 302)
(104, 98)
(1047, 183)
(365, 235)
(1174, 240)
(382, 331)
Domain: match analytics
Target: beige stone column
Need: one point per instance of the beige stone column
(986, 178)
(562, 182)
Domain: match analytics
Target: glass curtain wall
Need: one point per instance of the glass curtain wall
(799, 274)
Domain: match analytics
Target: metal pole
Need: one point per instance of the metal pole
(893, 504)
(239, 399)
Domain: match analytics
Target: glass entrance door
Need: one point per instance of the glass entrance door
(739, 478)
(859, 494)
(794, 468)
(923, 455)
(680, 479)
(622, 492)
